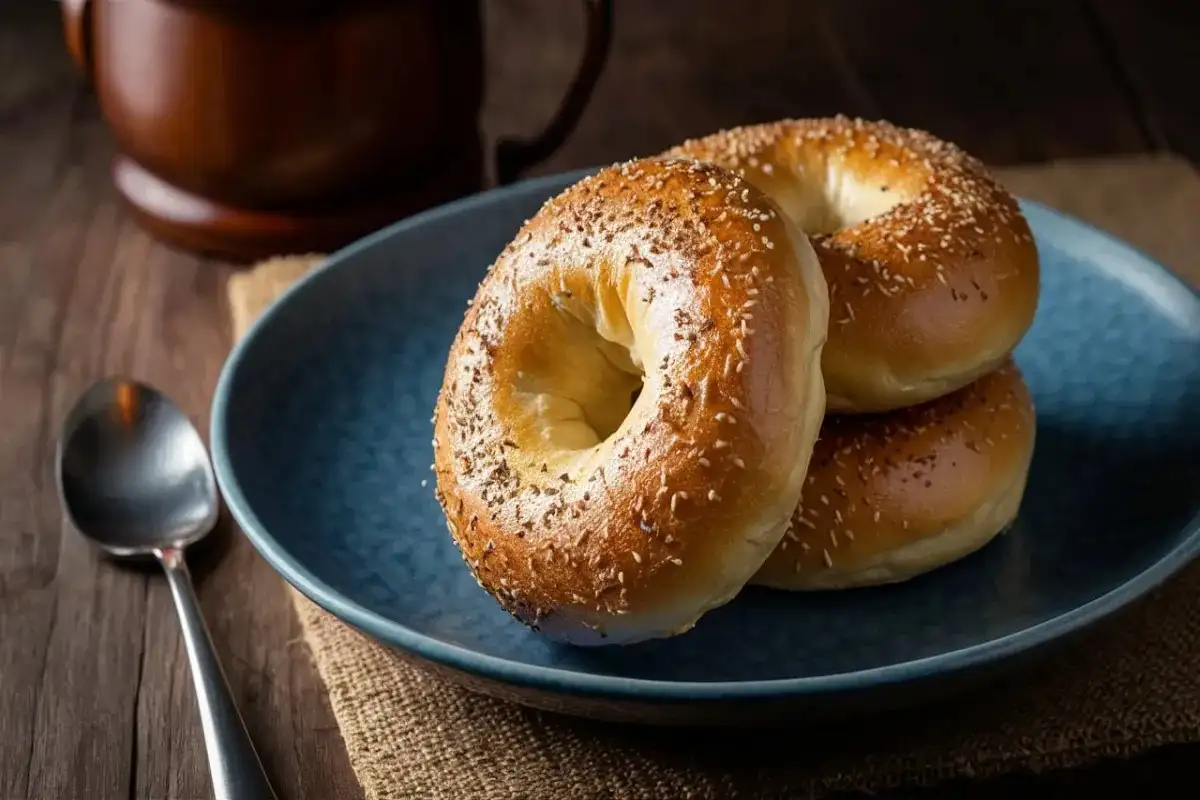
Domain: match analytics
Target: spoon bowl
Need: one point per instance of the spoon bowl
(134, 477)
(133, 472)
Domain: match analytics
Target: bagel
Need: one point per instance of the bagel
(891, 496)
(630, 402)
(932, 270)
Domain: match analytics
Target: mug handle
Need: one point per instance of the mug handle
(77, 25)
(514, 156)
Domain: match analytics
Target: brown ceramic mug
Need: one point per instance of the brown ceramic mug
(248, 128)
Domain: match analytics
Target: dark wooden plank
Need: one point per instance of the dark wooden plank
(1154, 44)
(183, 317)
(96, 695)
(96, 698)
(83, 724)
(49, 590)
(33, 74)
(1012, 82)
(39, 96)
(34, 152)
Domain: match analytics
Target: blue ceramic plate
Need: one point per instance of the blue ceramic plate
(321, 436)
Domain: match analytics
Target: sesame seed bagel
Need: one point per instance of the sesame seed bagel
(629, 405)
(932, 270)
(891, 496)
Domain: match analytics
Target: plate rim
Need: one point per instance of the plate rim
(568, 681)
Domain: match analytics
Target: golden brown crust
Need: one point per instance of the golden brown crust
(894, 495)
(691, 272)
(926, 295)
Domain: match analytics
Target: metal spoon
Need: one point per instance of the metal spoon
(135, 478)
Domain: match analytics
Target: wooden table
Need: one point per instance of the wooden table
(95, 697)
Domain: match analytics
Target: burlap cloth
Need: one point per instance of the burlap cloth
(1133, 685)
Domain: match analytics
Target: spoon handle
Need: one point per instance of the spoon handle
(237, 773)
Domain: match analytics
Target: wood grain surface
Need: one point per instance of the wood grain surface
(95, 697)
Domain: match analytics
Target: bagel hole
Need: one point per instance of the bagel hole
(583, 378)
(826, 200)
(627, 382)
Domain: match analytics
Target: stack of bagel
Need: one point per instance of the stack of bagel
(777, 355)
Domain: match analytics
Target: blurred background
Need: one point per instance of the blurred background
(1011, 81)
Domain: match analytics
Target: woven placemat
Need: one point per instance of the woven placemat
(1133, 685)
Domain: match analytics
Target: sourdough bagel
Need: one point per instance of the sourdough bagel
(932, 270)
(894, 495)
(603, 519)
